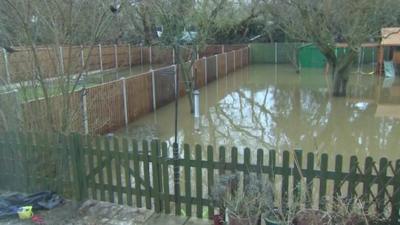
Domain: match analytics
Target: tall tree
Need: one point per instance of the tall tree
(326, 22)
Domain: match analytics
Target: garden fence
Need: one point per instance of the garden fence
(140, 174)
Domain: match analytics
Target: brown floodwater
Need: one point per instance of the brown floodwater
(272, 107)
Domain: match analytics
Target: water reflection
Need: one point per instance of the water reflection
(272, 107)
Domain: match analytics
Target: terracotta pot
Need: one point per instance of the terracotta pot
(218, 219)
(233, 220)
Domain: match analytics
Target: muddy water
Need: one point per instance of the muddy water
(272, 107)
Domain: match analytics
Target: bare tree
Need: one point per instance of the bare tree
(326, 22)
(55, 26)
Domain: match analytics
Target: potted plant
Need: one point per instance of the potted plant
(244, 204)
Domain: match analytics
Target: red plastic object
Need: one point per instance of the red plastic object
(38, 220)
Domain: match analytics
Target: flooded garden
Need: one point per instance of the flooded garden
(273, 107)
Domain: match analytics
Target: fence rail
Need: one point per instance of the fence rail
(140, 174)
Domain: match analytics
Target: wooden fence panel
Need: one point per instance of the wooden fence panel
(211, 69)
(139, 96)
(146, 173)
(161, 55)
(72, 59)
(211, 50)
(108, 56)
(164, 85)
(91, 56)
(199, 72)
(136, 56)
(123, 55)
(221, 65)
(105, 107)
(231, 62)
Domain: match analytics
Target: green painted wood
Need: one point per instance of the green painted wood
(188, 177)
(352, 178)
(234, 157)
(199, 183)
(297, 176)
(136, 173)
(101, 165)
(91, 176)
(75, 170)
(260, 162)
(222, 160)
(272, 165)
(247, 168)
(146, 170)
(337, 182)
(380, 201)
(285, 180)
(367, 183)
(210, 178)
(155, 153)
(395, 216)
(110, 184)
(166, 197)
(323, 181)
(127, 172)
(118, 174)
(310, 179)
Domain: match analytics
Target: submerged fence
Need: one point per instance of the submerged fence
(140, 174)
(109, 106)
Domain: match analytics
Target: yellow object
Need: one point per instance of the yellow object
(25, 212)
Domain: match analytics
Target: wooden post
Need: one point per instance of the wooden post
(226, 63)
(380, 63)
(205, 69)
(216, 66)
(156, 169)
(173, 55)
(100, 58)
(396, 196)
(188, 178)
(8, 77)
(130, 57)
(123, 82)
(116, 60)
(61, 59)
(85, 111)
(82, 58)
(141, 55)
(276, 53)
(150, 56)
(234, 60)
(153, 82)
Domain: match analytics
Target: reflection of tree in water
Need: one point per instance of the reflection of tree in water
(292, 117)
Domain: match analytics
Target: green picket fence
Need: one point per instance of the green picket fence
(141, 174)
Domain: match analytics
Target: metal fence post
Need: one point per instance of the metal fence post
(153, 82)
(205, 69)
(173, 55)
(100, 58)
(125, 100)
(223, 48)
(8, 77)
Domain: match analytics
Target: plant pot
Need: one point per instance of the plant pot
(234, 220)
(271, 222)
(218, 219)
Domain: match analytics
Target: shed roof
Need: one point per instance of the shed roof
(390, 36)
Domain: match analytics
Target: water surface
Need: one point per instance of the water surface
(272, 107)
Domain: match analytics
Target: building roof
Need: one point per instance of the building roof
(390, 36)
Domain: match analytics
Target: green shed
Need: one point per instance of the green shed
(311, 57)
